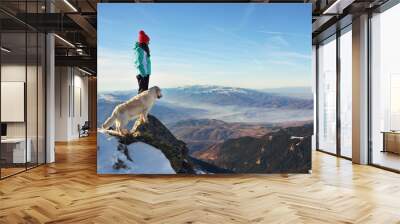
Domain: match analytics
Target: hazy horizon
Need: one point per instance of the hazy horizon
(188, 86)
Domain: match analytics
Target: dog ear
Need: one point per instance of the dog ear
(158, 92)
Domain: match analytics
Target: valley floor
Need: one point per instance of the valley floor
(70, 191)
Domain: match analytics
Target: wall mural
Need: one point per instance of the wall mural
(204, 88)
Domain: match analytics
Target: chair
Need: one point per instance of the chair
(84, 130)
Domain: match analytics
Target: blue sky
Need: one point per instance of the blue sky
(241, 45)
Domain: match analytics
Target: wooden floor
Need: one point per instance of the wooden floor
(70, 191)
(386, 159)
(5, 172)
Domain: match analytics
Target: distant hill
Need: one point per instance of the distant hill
(201, 134)
(296, 92)
(285, 97)
(166, 112)
(216, 102)
(282, 151)
(229, 96)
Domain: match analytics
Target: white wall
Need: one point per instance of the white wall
(81, 89)
(17, 73)
(61, 103)
(12, 73)
(33, 127)
(70, 84)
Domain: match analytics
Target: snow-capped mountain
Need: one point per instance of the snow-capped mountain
(230, 96)
(228, 104)
(221, 95)
(202, 89)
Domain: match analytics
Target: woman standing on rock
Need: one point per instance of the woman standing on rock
(142, 61)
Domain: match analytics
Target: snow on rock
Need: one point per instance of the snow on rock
(136, 158)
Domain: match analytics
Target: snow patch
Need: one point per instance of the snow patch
(146, 159)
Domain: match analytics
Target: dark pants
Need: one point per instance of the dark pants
(143, 83)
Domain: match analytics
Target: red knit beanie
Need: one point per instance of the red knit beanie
(143, 38)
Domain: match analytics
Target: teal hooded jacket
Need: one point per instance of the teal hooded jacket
(142, 61)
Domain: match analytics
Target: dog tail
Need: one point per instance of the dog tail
(110, 121)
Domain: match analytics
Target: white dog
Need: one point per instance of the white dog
(137, 106)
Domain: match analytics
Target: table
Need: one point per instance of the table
(391, 141)
(19, 155)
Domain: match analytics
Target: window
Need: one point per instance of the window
(346, 93)
(327, 95)
(23, 77)
(394, 102)
(329, 111)
(385, 89)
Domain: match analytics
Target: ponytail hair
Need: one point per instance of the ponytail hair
(145, 47)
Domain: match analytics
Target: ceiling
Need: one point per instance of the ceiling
(75, 22)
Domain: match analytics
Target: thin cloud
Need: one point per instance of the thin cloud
(292, 55)
(282, 33)
(278, 41)
(246, 16)
(282, 62)
(234, 35)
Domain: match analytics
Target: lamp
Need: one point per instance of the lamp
(5, 50)
(70, 5)
(64, 40)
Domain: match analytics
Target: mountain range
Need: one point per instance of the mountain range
(230, 96)
(153, 149)
(215, 102)
(214, 129)
(296, 92)
(202, 133)
(279, 151)
(166, 112)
